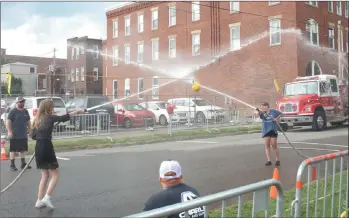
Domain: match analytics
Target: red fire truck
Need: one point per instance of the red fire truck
(314, 101)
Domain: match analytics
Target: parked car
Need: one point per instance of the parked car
(32, 105)
(88, 121)
(132, 114)
(198, 108)
(160, 112)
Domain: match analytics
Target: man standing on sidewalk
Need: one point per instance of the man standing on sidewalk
(18, 124)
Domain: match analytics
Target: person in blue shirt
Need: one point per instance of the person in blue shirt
(269, 130)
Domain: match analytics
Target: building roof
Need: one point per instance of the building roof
(20, 63)
(120, 5)
(130, 8)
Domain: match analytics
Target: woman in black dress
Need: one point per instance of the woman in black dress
(45, 156)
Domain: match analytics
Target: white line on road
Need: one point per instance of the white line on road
(313, 143)
(62, 158)
(203, 142)
(316, 149)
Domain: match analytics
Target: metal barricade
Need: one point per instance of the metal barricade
(83, 125)
(183, 120)
(260, 201)
(314, 166)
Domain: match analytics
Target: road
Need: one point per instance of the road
(117, 181)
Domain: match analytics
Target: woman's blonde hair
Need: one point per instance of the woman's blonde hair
(45, 109)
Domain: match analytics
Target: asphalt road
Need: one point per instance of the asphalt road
(117, 181)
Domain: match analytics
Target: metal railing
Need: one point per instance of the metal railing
(260, 201)
(314, 167)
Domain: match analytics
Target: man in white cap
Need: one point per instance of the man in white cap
(174, 191)
(18, 124)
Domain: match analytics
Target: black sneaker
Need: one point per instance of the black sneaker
(268, 163)
(13, 168)
(23, 165)
(277, 163)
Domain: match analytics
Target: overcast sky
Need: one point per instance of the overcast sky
(35, 28)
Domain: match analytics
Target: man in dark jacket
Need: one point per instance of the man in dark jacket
(175, 191)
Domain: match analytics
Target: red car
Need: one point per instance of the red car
(132, 114)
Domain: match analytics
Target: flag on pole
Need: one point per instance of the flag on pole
(276, 85)
(9, 79)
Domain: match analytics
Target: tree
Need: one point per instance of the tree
(16, 86)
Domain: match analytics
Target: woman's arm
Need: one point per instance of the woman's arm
(66, 117)
(278, 115)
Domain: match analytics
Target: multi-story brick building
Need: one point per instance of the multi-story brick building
(262, 41)
(84, 65)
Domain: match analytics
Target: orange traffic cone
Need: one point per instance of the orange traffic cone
(3, 152)
(273, 190)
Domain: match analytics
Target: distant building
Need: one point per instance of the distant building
(3, 51)
(26, 72)
(46, 79)
(84, 66)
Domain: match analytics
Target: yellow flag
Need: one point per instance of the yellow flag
(9, 79)
(276, 85)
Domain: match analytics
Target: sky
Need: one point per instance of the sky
(35, 28)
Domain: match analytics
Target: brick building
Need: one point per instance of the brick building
(262, 41)
(84, 65)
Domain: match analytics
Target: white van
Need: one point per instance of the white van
(32, 105)
(198, 108)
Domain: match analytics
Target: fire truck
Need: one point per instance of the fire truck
(315, 101)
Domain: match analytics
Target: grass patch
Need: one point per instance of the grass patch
(103, 142)
(246, 209)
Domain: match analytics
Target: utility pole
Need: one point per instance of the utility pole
(54, 71)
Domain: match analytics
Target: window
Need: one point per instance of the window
(72, 72)
(140, 88)
(339, 7)
(195, 41)
(82, 73)
(127, 26)
(127, 54)
(331, 37)
(155, 88)
(32, 70)
(234, 6)
(275, 31)
(347, 33)
(313, 3)
(140, 23)
(72, 53)
(172, 15)
(95, 51)
(312, 30)
(330, 6)
(127, 87)
(313, 69)
(195, 11)
(77, 53)
(154, 19)
(77, 74)
(334, 87)
(172, 46)
(346, 9)
(140, 52)
(273, 2)
(115, 56)
(95, 74)
(234, 37)
(115, 89)
(155, 49)
(82, 49)
(115, 28)
(341, 46)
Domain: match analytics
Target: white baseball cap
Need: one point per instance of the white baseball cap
(170, 166)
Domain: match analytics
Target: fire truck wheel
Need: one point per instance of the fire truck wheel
(336, 123)
(319, 121)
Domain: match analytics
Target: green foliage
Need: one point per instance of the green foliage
(16, 86)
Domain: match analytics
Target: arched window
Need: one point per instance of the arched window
(313, 69)
(312, 29)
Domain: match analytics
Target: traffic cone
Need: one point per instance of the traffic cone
(3, 152)
(273, 190)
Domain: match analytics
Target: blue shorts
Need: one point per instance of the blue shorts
(271, 134)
